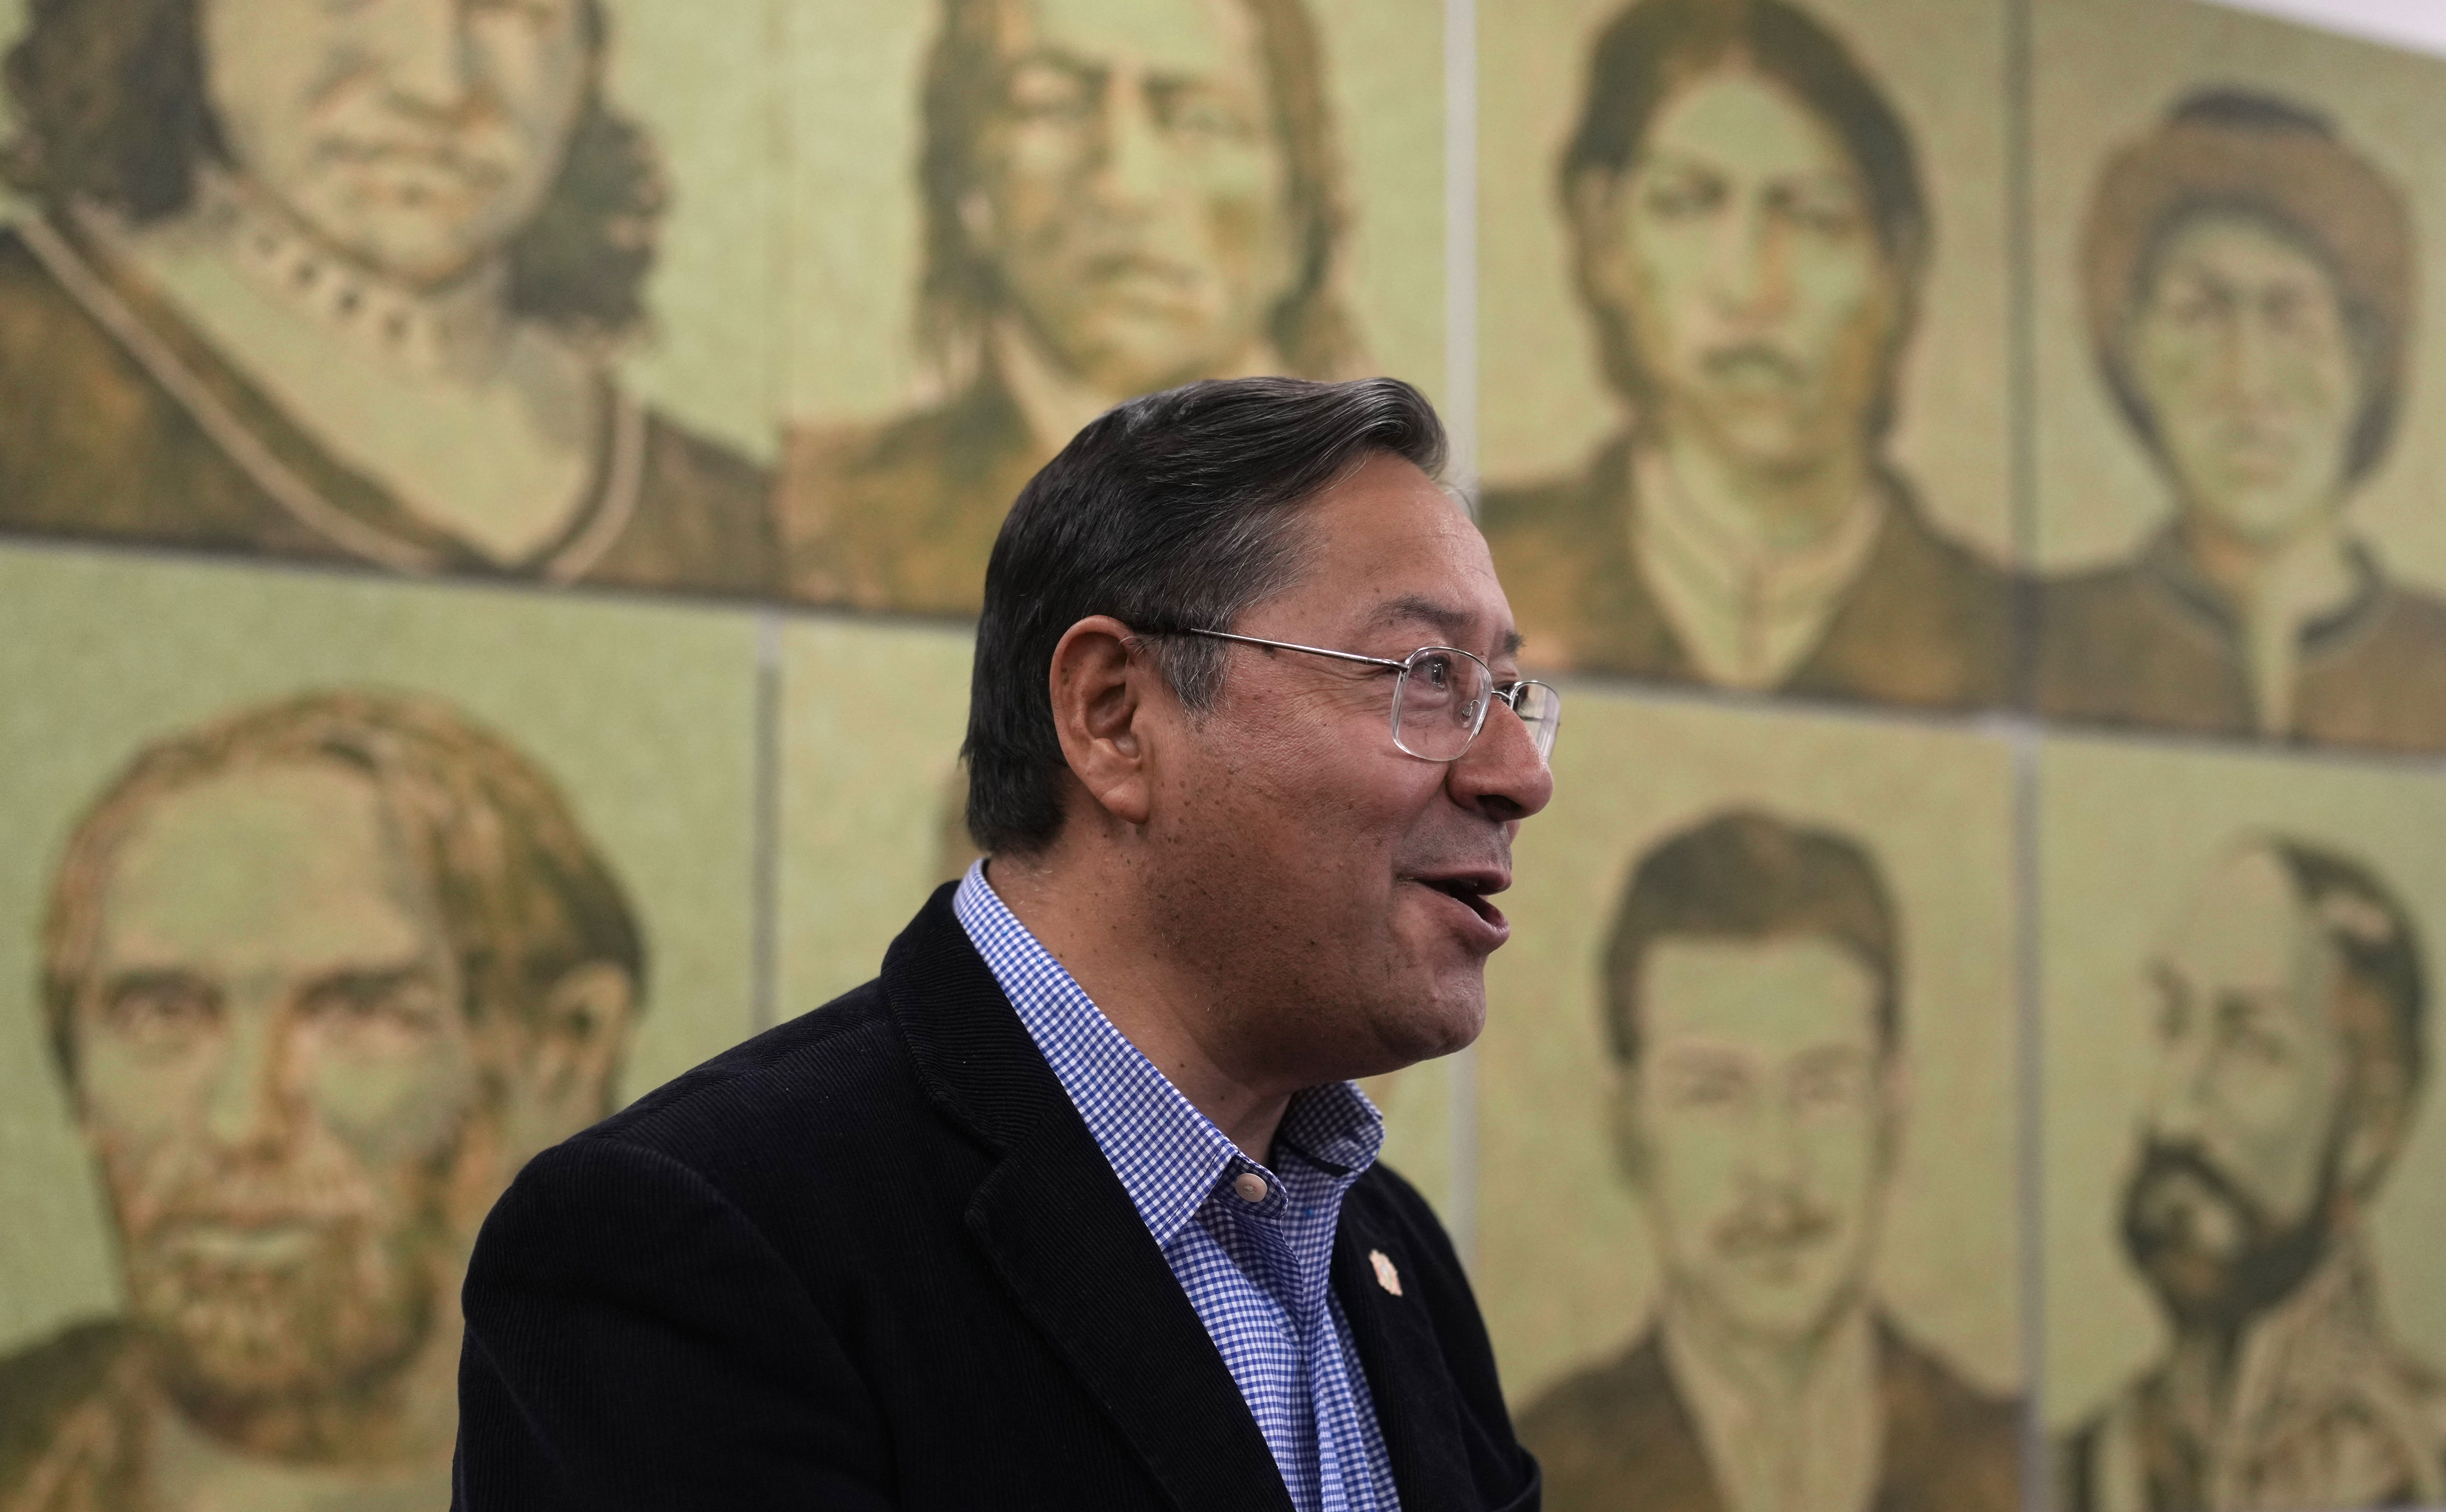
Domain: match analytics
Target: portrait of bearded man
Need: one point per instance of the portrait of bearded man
(318, 977)
(345, 283)
(2290, 1004)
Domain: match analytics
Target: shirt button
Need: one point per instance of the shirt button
(1251, 1186)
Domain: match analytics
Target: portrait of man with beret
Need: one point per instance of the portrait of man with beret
(2250, 282)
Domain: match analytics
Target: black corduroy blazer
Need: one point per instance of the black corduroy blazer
(872, 1258)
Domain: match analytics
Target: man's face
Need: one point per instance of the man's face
(1336, 884)
(1742, 253)
(2240, 351)
(418, 136)
(276, 1072)
(1757, 1126)
(2239, 1138)
(1132, 191)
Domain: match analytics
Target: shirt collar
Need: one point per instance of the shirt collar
(1746, 612)
(1169, 1156)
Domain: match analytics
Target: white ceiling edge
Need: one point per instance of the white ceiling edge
(2419, 24)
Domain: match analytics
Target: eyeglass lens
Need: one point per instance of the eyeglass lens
(1442, 703)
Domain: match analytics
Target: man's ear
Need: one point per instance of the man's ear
(1893, 1106)
(977, 219)
(1593, 200)
(573, 1048)
(1627, 1122)
(1102, 692)
(2379, 1110)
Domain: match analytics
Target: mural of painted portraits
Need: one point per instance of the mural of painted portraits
(319, 976)
(343, 282)
(1755, 1008)
(1749, 238)
(2290, 1002)
(1118, 195)
(2250, 282)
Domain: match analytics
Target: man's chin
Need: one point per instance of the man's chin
(426, 246)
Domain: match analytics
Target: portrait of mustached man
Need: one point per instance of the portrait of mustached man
(319, 976)
(1749, 238)
(346, 282)
(1754, 1003)
(2290, 1005)
(1118, 195)
(2250, 278)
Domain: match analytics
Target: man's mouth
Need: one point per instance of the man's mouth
(1473, 890)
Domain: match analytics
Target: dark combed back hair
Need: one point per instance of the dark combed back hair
(1173, 511)
(1654, 48)
(112, 109)
(1750, 876)
(2376, 945)
(523, 896)
(960, 288)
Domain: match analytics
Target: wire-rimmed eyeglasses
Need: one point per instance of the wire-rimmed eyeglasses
(1441, 697)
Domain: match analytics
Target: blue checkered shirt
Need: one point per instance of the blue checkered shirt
(1259, 1273)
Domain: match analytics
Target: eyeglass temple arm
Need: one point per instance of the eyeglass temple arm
(1313, 650)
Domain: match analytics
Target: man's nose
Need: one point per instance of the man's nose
(427, 57)
(2179, 1101)
(1751, 278)
(1133, 158)
(249, 1103)
(1501, 775)
(2251, 359)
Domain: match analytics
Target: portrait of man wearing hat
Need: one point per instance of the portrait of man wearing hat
(2249, 283)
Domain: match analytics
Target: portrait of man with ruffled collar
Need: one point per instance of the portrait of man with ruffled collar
(345, 283)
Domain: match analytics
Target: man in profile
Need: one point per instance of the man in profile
(344, 282)
(1754, 1004)
(1118, 195)
(2290, 1000)
(318, 977)
(1075, 1206)
(2249, 280)
(1749, 238)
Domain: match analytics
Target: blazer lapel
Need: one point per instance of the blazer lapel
(1060, 1232)
(1417, 1408)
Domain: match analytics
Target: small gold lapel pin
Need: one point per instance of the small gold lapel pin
(1386, 1276)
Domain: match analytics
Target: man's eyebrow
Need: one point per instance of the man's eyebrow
(1448, 621)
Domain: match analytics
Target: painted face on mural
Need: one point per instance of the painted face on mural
(1131, 188)
(1757, 1126)
(417, 136)
(1742, 253)
(273, 1064)
(2240, 1139)
(2241, 351)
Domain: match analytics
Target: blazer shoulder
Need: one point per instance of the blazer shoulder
(44, 1384)
(839, 1068)
(1620, 1399)
(1950, 1445)
(1616, 1437)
